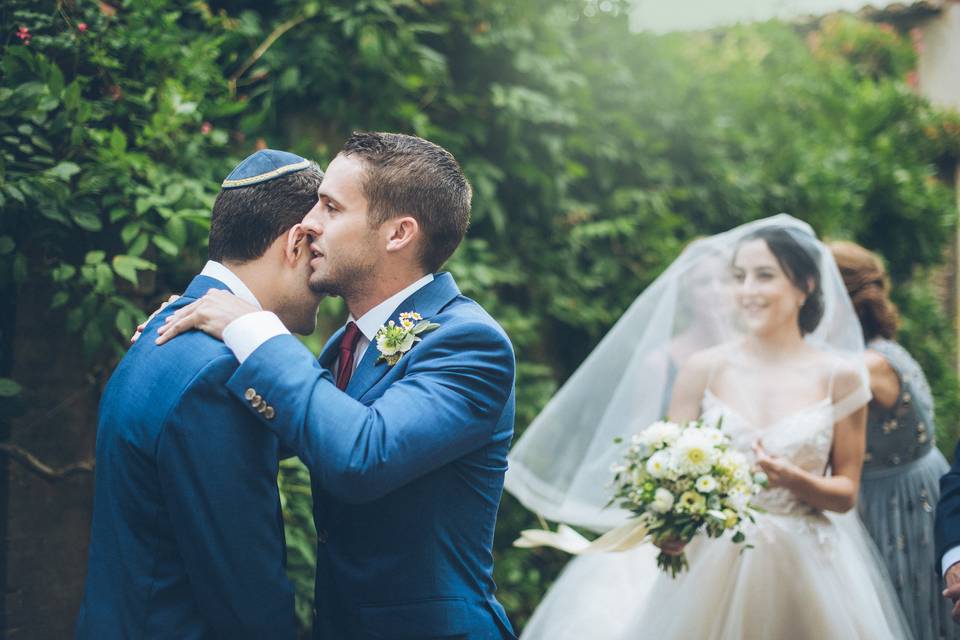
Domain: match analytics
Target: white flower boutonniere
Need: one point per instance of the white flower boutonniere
(393, 340)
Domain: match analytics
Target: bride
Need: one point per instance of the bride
(752, 330)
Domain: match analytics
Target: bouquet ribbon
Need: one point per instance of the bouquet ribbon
(626, 536)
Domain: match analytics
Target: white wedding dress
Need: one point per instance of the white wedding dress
(810, 575)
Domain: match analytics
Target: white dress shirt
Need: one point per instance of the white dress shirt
(950, 558)
(370, 322)
(218, 271)
(245, 334)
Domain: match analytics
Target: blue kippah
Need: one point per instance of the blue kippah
(262, 166)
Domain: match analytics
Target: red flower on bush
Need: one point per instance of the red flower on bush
(82, 27)
(206, 128)
(24, 34)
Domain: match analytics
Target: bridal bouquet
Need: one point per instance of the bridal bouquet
(684, 479)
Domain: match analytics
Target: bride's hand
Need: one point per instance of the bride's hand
(780, 472)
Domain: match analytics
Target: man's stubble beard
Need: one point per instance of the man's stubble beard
(346, 281)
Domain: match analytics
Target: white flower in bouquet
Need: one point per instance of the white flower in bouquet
(659, 434)
(731, 460)
(694, 453)
(659, 464)
(714, 436)
(706, 484)
(662, 501)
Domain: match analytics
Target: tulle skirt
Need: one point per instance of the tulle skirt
(898, 509)
(806, 577)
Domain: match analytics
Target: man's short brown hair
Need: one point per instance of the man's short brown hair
(407, 175)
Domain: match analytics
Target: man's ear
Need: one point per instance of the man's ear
(297, 244)
(401, 232)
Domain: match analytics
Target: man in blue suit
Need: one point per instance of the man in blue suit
(187, 538)
(947, 532)
(407, 441)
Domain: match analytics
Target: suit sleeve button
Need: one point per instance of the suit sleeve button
(269, 413)
(249, 393)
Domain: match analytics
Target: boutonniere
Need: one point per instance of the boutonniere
(393, 340)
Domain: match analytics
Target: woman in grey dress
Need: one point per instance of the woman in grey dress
(899, 487)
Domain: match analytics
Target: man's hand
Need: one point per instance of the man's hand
(210, 314)
(143, 325)
(953, 589)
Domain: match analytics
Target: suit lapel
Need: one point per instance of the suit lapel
(427, 301)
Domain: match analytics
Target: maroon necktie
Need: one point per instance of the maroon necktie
(351, 335)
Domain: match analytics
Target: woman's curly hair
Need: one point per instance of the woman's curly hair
(868, 284)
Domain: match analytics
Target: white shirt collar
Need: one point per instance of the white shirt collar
(218, 271)
(370, 322)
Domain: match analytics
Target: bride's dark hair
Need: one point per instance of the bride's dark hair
(798, 258)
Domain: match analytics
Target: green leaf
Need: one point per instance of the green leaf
(86, 219)
(9, 388)
(125, 323)
(143, 204)
(71, 95)
(166, 245)
(15, 193)
(59, 299)
(63, 272)
(104, 279)
(118, 141)
(173, 192)
(64, 171)
(6, 245)
(139, 245)
(176, 231)
(129, 232)
(93, 257)
(126, 267)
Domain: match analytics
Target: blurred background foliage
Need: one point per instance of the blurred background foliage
(596, 154)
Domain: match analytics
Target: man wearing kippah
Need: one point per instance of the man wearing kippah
(187, 538)
(406, 419)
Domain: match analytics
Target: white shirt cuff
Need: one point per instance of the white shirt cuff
(245, 334)
(950, 558)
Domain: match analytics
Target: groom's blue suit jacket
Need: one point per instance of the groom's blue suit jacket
(407, 470)
(187, 538)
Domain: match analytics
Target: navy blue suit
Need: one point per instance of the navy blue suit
(407, 470)
(947, 528)
(187, 537)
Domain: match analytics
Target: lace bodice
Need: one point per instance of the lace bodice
(804, 437)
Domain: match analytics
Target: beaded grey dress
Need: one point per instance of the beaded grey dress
(899, 492)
